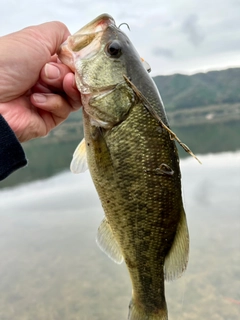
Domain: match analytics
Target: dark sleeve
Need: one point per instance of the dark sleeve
(12, 156)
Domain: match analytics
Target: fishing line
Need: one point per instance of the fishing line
(148, 106)
(183, 293)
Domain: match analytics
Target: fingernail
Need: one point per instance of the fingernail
(39, 98)
(51, 71)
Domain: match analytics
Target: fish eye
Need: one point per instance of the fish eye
(114, 49)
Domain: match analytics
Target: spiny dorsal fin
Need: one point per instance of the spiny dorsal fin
(177, 258)
(107, 242)
(79, 162)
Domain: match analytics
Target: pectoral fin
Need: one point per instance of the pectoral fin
(79, 162)
(177, 258)
(107, 242)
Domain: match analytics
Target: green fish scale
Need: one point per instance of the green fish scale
(142, 205)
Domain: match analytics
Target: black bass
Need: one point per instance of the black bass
(133, 162)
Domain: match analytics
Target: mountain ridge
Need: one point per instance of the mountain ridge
(181, 91)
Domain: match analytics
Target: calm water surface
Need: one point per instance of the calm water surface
(51, 267)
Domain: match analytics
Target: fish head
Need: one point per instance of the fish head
(100, 54)
(102, 57)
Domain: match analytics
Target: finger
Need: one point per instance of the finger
(54, 104)
(54, 58)
(50, 34)
(52, 74)
(59, 76)
(37, 45)
(69, 86)
(40, 88)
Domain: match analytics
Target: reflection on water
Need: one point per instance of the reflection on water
(51, 268)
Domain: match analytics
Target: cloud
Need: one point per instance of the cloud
(165, 52)
(173, 36)
(191, 28)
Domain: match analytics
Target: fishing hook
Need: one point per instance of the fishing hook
(125, 24)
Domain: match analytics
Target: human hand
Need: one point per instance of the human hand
(37, 92)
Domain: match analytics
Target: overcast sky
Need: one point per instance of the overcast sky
(185, 36)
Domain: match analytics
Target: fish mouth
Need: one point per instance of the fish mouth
(85, 43)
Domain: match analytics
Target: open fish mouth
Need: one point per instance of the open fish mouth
(86, 42)
(86, 34)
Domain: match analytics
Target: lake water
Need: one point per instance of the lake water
(51, 267)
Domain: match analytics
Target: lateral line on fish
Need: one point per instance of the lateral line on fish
(156, 116)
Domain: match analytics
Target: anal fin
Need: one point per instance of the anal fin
(107, 242)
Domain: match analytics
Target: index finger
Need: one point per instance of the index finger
(50, 34)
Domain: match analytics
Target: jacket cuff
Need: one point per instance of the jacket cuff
(12, 156)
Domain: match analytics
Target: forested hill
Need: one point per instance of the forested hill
(203, 110)
(180, 91)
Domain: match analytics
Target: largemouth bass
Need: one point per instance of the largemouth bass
(133, 162)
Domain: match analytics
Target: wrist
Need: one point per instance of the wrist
(12, 156)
